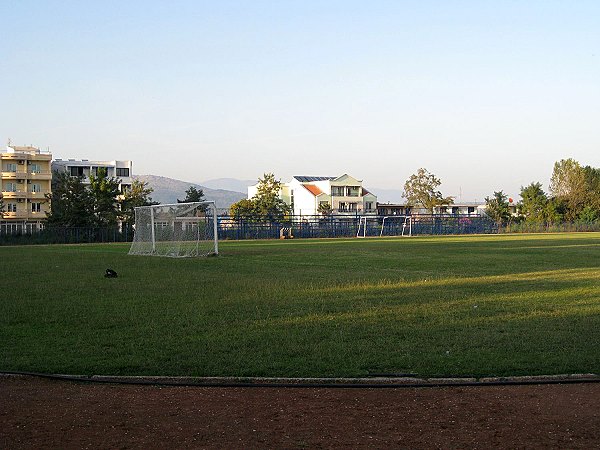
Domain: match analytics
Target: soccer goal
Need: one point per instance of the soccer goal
(396, 226)
(176, 230)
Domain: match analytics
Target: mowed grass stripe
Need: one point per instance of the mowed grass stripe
(476, 305)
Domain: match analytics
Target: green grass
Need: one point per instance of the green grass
(479, 305)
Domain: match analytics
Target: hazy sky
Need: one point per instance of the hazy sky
(487, 95)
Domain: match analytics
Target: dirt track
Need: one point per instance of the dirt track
(38, 413)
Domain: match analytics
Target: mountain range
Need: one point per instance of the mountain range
(168, 190)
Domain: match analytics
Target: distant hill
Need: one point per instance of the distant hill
(168, 190)
(229, 184)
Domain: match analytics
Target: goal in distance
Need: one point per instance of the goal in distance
(176, 230)
(390, 226)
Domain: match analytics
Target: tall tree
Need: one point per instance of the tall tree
(422, 189)
(592, 182)
(192, 195)
(568, 183)
(71, 202)
(137, 195)
(104, 190)
(267, 203)
(533, 203)
(497, 208)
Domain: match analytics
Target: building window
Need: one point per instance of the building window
(122, 172)
(11, 167)
(76, 171)
(455, 210)
(35, 168)
(337, 191)
(352, 206)
(471, 209)
(11, 207)
(36, 188)
(343, 206)
(10, 187)
(36, 207)
(368, 206)
(352, 191)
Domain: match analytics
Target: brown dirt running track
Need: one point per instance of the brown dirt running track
(40, 413)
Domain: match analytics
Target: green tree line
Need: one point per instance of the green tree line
(574, 196)
(99, 204)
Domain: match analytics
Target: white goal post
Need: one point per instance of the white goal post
(406, 222)
(176, 230)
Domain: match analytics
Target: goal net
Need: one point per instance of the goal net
(176, 230)
(396, 226)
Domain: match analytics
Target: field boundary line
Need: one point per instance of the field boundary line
(281, 382)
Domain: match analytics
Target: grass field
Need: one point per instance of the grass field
(478, 305)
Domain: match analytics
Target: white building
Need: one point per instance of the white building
(344, 194)
(85, 168)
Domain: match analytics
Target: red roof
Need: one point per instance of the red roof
(313, 189)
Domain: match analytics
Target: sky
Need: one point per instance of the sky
(486, 95)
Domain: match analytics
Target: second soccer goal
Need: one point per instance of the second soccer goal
(176, 230)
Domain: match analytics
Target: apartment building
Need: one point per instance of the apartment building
(84, 168)
(344, 194)
(26, 180)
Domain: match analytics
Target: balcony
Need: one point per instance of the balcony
(36, 195)
(13, 175)
(14, 194)
(16, 215)
(40, 175)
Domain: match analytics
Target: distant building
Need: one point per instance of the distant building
(84, 168)
(456, 209)
(26, 181)
(344, 195)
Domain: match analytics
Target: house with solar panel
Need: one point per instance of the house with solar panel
(308, 195)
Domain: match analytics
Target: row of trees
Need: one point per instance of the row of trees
(574, 197)
(100, 204)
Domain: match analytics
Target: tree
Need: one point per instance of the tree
(192, 195)
(1, 206)
(568, 183)
(592, 181)
(422, 189)
(325, 209)
(567, 178)
(137, 195)
(497, 207)
(555, 210)
(104, 191)
(71, 202)
(244, 209)
(533, 203)
(267, 203)
(588, 215)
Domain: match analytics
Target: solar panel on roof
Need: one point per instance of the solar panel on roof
(306, 179)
